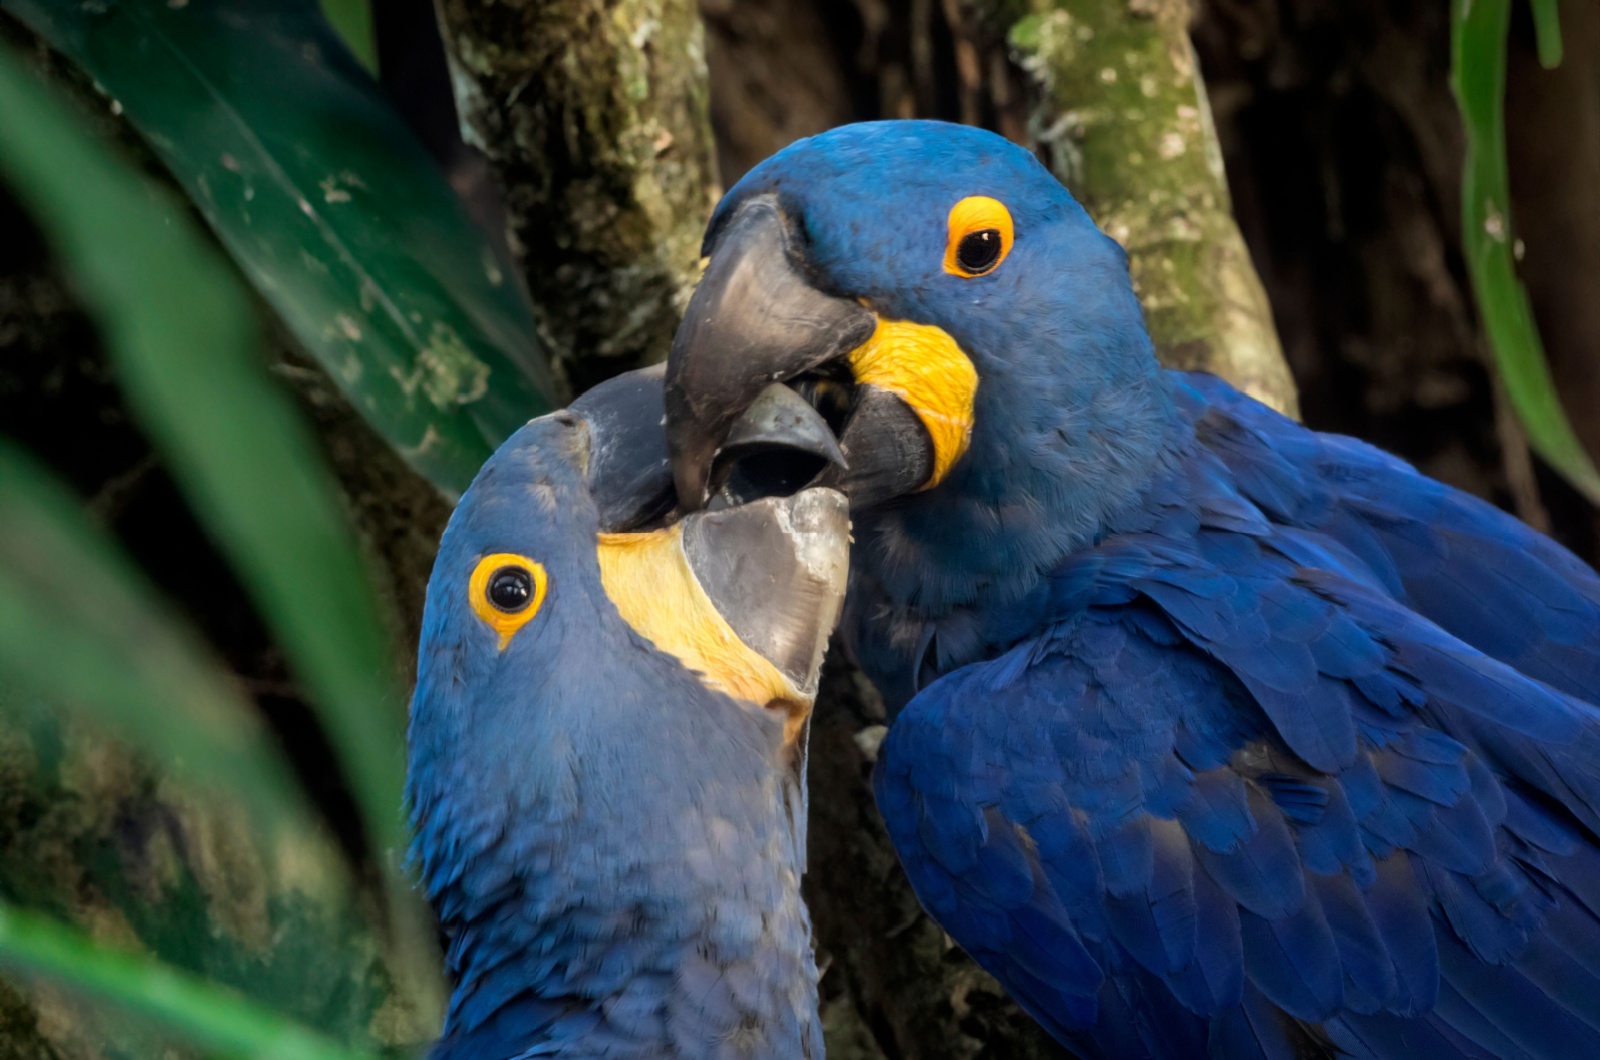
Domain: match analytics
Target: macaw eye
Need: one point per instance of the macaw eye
(978, 251)
(510, 589)
(507, 590)
(980, 236)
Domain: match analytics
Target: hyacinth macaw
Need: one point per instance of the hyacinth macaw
(606, 752)
(1211, 735)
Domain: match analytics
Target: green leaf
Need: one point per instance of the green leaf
(1478, 55)
(185, 346)
(1547, 29)
(80, 627)
(352, 21)
(330, 206)
(210, 1016)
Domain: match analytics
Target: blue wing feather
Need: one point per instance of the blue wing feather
(1307, 772)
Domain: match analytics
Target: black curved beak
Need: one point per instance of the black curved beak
(779, 446)
(755, 319)
(886, 448)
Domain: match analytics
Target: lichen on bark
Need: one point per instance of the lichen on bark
(594, 116)
(1124, 121)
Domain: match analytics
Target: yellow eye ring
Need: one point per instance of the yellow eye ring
(506, 590)
(980, 236)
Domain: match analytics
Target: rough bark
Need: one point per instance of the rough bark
(593, 114)
(1124, 121)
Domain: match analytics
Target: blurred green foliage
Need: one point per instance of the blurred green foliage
(186, 348)
(185, 345)
(352, 21)
(116, 652)
(1479, 41)
(209, 1016)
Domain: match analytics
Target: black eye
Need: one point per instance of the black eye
(979, 250)
(510, 589)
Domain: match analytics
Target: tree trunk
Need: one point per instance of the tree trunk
(1125, 123)
(593, 114)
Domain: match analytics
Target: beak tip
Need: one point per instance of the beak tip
(803, 541)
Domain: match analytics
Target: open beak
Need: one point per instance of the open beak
(780, 445)
(757, 322)
(745, 597)
(747, 594)
(774, 570)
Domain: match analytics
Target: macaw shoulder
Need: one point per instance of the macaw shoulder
(1474, 570)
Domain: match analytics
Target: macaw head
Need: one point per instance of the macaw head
(548, 567)
(605, 744)
(550, 595)
(944, 303)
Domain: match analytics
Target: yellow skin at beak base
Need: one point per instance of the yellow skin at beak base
(648, 578)
(924, 367)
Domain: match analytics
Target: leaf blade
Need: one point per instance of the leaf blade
(1478, 77)
(352, 21)
(1547, 31)
(183, 341)
(330, 207)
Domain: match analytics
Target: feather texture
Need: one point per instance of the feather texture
(1320, 772)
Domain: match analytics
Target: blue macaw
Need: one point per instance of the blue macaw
(1211, 735)
(606, 752)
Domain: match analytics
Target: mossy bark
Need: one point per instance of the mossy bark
(594, 117)
(1123, 118)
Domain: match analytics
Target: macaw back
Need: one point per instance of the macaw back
(1297, 756)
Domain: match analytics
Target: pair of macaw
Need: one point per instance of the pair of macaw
(1212, 735)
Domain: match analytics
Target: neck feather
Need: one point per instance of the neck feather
(1032, 489)
(600, 899)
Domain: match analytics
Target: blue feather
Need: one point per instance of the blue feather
(1143, 603)
(1294, 961)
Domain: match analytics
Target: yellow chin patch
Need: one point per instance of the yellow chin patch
(925, 368)
(648, 578)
